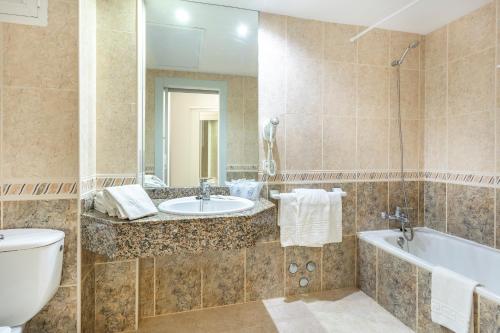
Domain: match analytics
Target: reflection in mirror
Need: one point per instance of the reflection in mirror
(201, 94)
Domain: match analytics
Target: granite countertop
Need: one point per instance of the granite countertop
(165, 234)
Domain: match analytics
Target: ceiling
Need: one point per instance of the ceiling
(424, 17)
(205, 38)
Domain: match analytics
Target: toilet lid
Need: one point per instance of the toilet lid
(24, 239)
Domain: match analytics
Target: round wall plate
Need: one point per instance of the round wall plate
(311, 266)
(293, 268)
(303, 282)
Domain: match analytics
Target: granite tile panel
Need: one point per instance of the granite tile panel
(58, 316)
(223, 274)
(167, 193)
(88, 303)
(178, 283)
(348, 206)
(396, 199)
(497, 216)
(367, 268)
(489, 316)
(435, 206)
(115, 296)
(146, 287)
(371, 201)
(397, 287)
(339, 262)
(471, 213)
(264, 271)
(425, 323)
(52, 214)
(301, 256)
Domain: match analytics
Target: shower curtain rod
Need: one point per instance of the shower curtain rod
(373, 26)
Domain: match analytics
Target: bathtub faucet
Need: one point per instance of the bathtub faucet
(398, 216)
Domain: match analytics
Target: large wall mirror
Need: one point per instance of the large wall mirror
(200, 93)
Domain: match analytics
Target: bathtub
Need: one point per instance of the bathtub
(432, 248)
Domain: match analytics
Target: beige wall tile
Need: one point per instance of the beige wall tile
(339, 143)
(472, 33)
(47, 143)
(117, 15)
(409, 94)
(436, 144)
(436, 92)
(146, 287)
(264, 271)
(411, 144)
(340, 89)
(373, 92)
(304, 38)
(471, 143)
(338, 46)
(339, 264)
(304, 85)
(399, 42)
(436, 48)
(303, 142)
(367, 268)
(372, 144)
(471, 83)
(373, 48)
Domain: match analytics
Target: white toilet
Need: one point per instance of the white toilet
(30, 273)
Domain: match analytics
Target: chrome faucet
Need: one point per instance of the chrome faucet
(204, 189)
(398, 216)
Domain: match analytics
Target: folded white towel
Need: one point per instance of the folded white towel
(152, 181)
(130, 201)
(452, 300)
(310, 217)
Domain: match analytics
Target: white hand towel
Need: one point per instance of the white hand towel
(131, 201)
(287, 219)
(452, 300)
(313, 217)
(335, 226)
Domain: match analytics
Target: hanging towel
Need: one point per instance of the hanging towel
(130, 201)
(310, 217)
(452, 300)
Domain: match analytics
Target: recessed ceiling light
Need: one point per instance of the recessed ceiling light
(182, 15)
(242, 30)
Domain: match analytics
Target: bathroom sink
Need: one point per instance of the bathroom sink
(218, 204)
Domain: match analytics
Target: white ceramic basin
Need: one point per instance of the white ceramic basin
(217, 204)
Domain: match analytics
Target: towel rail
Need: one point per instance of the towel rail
(276, 195)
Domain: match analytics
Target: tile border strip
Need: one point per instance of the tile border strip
(39, 190)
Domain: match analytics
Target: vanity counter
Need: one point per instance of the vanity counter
(165, 234)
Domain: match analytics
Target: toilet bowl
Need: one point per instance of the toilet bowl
(30, 273)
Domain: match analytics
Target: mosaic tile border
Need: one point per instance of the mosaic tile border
(103, 181)
(242, 167)
(39, 190)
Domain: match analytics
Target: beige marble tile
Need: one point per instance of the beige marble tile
(471, 83)
(436, 85)
(424, 320)
(399, 42)
(339, 143)
(116, 15)
(115, 297)
(436, 52)
(409, 94)
(435, 144)
(304, 85)
(301, 256)
(340, 89)
(397, 287)
(304, 38)
(373, 92)
(88, 303)
(396, 199)
(47, 145)
(489, 316)
(411, 144)
(435, 206)
(373, 48)
(300, 154)
(146, 287)
(471, 143)
(472, 33)
(43, 57)
(223, 278)
(471, 213)
(372, 144)
(339, 262)
(52, 214)
(185, 293)
(338, 46)
(372, 199)
(264, 271)
(367, 268)
(58, 316)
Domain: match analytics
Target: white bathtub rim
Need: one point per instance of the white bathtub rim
(380, 243)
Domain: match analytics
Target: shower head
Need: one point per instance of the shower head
(401, 59)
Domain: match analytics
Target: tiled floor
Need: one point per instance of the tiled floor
(344, 311)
